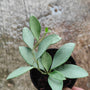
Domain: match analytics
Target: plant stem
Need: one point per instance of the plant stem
(36, 61)
(42, 72)
(49, 71)
(40, 40)
(33, 55)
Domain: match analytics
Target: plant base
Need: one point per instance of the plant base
(40, 81)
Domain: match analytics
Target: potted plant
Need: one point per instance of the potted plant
(55, 66)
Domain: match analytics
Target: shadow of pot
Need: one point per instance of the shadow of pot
(40, 81)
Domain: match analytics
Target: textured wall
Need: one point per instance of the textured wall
(68, 18)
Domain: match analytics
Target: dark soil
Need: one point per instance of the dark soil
(41, 81)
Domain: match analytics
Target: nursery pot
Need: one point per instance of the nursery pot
(40, 81)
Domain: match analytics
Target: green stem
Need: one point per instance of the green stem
(42, 72)
(36, 61)
(40, 40)
(49, 71)
(33, 55)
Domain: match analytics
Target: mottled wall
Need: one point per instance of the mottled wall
(68, 18)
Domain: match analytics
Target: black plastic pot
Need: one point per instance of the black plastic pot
(40, 81)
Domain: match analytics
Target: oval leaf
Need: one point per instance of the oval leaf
(46, 60)
(49, 40)
(57, 75)
(19, 72)
(28, 37)
(62, 55)
(35, 27)
(55, 84)
(26, 53)
(72, 71)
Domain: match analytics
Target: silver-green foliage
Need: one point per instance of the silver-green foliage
(35, 27)
(72, 71)
(46, 60)
(19, 72)
(62, 55)
(49, 40)
(28, 37)
(55, 84)
(42, 61)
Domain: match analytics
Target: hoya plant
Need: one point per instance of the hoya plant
(41, 60)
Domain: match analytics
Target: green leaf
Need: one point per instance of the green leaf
(72, 71)
(40, 64)
(46, 60)
(26, 53)
(19, 72)
(62, 55)
(35, 27)
(28, 37)
(57, 75)
(49, 40)
(55, 84)
(46, 29)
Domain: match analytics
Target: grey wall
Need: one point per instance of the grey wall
(68, 18)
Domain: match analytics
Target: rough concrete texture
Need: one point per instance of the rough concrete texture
(68, 18)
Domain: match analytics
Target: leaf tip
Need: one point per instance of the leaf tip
(24, 28)
(73, 44)
(59, 37)
(19, 47)
(8, 77)
(87, 73)
(31, 16)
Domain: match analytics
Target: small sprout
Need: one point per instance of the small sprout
(46, 30)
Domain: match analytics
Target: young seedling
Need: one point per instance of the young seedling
(56, 70)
